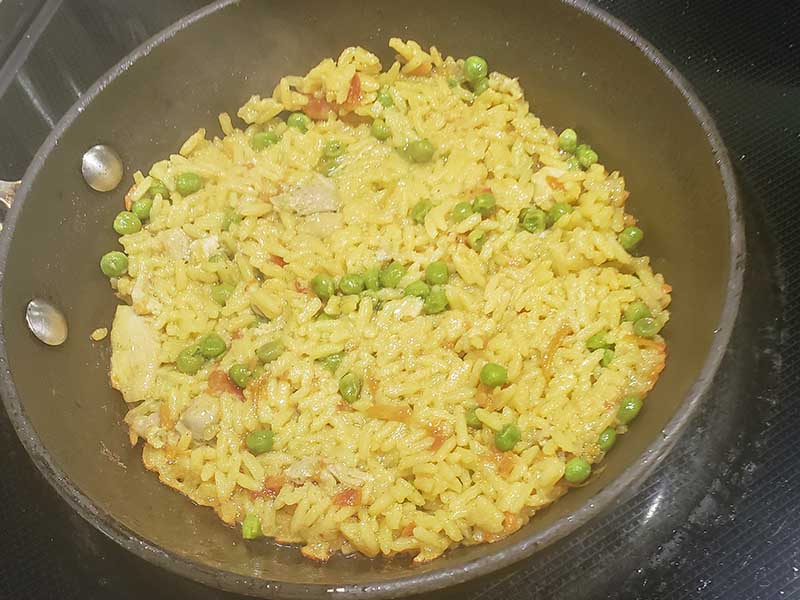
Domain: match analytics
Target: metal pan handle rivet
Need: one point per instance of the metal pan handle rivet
(46, 322)
(102, 168)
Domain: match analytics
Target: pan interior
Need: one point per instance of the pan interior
(576, 72)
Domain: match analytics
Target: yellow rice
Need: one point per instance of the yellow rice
(351, 478)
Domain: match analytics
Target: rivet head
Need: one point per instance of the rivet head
(46, 322)
(102, 168)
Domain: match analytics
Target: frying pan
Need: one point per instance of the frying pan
(580, 68)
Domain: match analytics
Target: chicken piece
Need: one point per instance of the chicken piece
(143, 423)
(134, 355)
(202, 418)
(543, 179)
(316, 195)
(204, 247)
(175, 242)
(142, 296)
(404, 309)
(348, 476)
(320, 225)
(302, 470)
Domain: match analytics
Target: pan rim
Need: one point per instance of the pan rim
(437, 578)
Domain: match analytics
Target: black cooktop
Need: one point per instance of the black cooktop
(717, 520)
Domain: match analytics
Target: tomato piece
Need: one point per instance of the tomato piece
(219, 382)
(129, 197)
(272, 485)
(348, 497)
(354, 93)
(318, 108)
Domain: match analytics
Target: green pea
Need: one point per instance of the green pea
(298, 121)
(221, 293)
(420, 151)
(436, 302)
(586, 156)
(630, 237)
(608, 356)
(270, 351)
(212, 345)
(493, 375)
(507, 437)
(403, 151)
(350, 387)
(331, 362)
(484, 203)
(630, 407)
(141, 208)
(573, 164)
(251, 527)
(258, 319)
(126, 223)
(480, 86)
(114, 263)
(229, 217)
(260, 441)
(372, 280)
(385, 97)
(328, 166)
(635, 311)
(597, 341)
(391, 274)
(568, 140)
(558, 210)
(380, 130)
(577, 470)
(421, 210)
(240, 374)
(258, 372)
(475, 67)
(607, 439)
(472, 418)
(437, 273)
(420, 289)
(476, 239)
(646, 327)
(377, 302)
(533, 220)
(333, 148)
(219, 257)
(461, 211)
(323, 286)
(351, 284)
(190, 360)
(188, 183)
(156, 188)
(263, 140)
